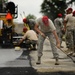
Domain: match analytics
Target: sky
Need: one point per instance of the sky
(29, 7)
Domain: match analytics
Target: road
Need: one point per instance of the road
(47, 67)
(23, 62)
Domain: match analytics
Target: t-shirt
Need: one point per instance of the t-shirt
(44, 28)
(73, 22)
(31, 23)
(73, 19)
(31, 35)
(69, 20)
(58, 22)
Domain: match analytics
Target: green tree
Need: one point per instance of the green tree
(52, 7)
(31, 17)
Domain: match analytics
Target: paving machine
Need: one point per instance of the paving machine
(8, 37)
(7, 9)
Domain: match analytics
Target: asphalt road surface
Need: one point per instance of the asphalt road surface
(15, 62)
(23, 62)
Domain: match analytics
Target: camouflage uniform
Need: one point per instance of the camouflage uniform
(59, 26)
(70, 32)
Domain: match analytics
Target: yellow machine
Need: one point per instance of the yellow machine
(5, 8)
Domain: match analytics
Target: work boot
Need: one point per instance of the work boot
(73, 54)
(70, 53)
(39, 60)
(57, 62)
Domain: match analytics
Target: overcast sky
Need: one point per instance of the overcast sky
(29, 7)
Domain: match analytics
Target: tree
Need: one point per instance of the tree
(31, 17)
(52, 7)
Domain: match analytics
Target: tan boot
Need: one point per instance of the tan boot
(38, 61)
(57, 62)
(73, 54)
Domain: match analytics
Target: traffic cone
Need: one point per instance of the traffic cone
(8, 16)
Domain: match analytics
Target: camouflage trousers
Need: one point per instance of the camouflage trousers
(70, 38)
(60, 35)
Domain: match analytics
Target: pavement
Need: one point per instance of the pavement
(47, 60)
(23, 62)
(15, 62)
(12, 58)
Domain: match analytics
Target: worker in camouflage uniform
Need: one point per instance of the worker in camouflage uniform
(45, 28)
(69, 27)
(58, 22)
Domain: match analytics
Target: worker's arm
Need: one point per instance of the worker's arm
(20, 41)
(23, 38)
(57, 39)
(36, 27)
